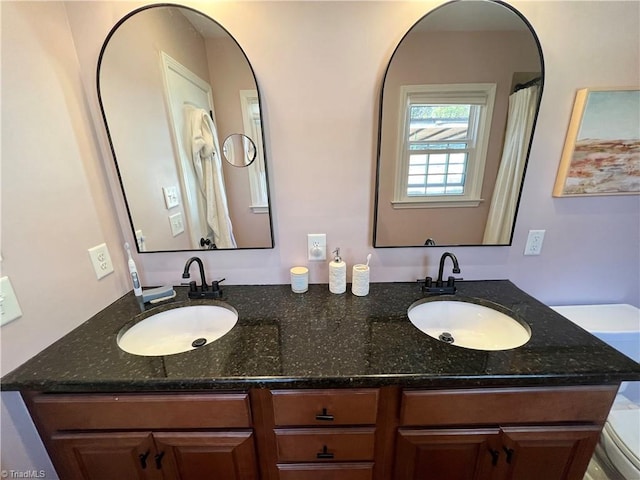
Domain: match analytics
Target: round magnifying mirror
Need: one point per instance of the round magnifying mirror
(239, 150)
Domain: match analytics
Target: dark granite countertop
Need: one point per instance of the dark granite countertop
(322, 340)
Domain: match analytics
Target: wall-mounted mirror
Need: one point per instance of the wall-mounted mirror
(173, 85)
(458, 108)
(239, 150)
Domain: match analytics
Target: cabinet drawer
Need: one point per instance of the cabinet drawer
(325, 407)
(326, 471)
(325, 444)
(142, 411)
(491, 406)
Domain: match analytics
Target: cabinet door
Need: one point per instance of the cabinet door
(207, 455)
(455, 454)
(105, 456)
(550, 453)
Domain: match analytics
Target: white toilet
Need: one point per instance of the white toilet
(617, 455)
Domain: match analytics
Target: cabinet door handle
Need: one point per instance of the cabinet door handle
(495, 455)
(159, 460)
(509, 452)
(324, 416)
(324, 454)
(143, 459)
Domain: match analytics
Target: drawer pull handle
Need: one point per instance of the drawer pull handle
(143, 459)
(159, 460)
(509, 452)
(495, 455)
(324, 454)
(324, 416)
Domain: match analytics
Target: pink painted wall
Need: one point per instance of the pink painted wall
(321, 57)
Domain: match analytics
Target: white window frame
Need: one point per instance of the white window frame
(480, 94)
(253, 129)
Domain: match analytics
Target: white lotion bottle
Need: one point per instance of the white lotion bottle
(337, 274)
(133, 271)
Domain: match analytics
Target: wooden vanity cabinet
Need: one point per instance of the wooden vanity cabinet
(147, 437)
(325, 434)
(500, 434)
(320, 434)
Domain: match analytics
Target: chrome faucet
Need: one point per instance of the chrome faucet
(202, 291)
(440, 286)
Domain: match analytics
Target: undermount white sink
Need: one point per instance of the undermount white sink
(468, 325)
(178, 330)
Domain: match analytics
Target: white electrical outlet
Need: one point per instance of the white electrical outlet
(9, 307)
(317, 246)
(101, 260)
(177, 225)
(534, 242)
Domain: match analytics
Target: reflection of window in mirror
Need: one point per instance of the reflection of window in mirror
(443, 139)
(253, 129)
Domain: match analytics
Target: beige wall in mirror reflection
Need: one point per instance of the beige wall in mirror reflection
(442, 58)
(134, 100)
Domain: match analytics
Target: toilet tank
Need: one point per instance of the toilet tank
(615, 324)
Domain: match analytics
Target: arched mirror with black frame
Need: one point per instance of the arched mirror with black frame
(173, 84)
(458, 108)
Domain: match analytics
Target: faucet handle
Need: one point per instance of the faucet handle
(215, 288)
(426, 283)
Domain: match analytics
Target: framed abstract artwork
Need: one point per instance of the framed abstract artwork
(601, 155)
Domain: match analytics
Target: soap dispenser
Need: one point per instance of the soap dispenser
(337, 274)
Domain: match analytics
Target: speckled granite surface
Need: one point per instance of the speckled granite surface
(322, 340)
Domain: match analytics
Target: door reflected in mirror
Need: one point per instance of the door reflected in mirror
(173, 84)
(458, 107)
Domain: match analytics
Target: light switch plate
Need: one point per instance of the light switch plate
(171, 198)
(101, 260)
(177, 225)
(140, 240)
(9, 306)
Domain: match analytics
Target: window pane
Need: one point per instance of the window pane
(416, 169)
(435, 179)
(417, 159)
(454, 191)
(434, 169)
(438, 158)
(455, 169)
(458, 158)
(435, 122)
(457, 146)
(455, 180)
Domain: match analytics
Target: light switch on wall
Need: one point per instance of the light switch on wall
(177, 225)
(171, 198)
(9, 306)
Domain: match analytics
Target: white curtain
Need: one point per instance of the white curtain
(202, 137)
(522, 109)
